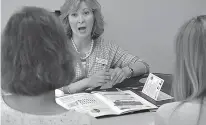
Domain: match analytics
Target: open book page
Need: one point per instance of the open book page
(163, 96)
(124, 101)
(85, 103)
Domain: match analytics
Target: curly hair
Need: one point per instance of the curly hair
(35, 54)
(73, 5)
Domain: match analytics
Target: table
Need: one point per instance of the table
(138, 82)
(138, 118)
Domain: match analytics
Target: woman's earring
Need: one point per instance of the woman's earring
(69, 33)
(93, 31)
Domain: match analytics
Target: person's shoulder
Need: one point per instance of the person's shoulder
(164, 112)
(182, 106)
(167, 108)
(171, 105)
(193, 105)
(10, 116)
(102, 41)
(67, 118)
(170, 112)
(71, 117)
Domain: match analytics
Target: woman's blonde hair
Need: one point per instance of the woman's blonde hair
(190, 76)
(73, 5)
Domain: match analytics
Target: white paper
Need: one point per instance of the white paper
(85, 103)
(125, 101)
(104, 103)
(163, 96)
(152, 86)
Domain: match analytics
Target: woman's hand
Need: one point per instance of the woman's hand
(118, 75)
(99, 78)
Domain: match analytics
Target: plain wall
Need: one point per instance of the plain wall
(145, 28)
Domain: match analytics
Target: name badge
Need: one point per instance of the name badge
(102, 61)
(153, 86)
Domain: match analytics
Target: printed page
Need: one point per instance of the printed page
(85, 103)
(153, 86)
(124, 101)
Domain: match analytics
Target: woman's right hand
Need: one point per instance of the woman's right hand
(99, 78)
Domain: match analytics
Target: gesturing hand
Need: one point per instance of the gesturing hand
(99, 78)
(118, 75)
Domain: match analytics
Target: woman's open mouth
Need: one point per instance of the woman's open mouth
(82, 29)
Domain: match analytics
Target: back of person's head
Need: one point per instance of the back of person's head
(35, 54)
(190, 76)
(72, 6)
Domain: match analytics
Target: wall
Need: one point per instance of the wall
(9, 6)
(144, 27)
(147, 27)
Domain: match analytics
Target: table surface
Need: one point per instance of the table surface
(139, 81)
(141, 118)
(137, 118)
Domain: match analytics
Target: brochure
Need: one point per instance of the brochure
(102, 103)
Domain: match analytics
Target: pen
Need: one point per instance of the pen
(119, 90)
(134, 87)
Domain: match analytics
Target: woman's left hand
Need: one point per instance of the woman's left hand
(118, 75)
